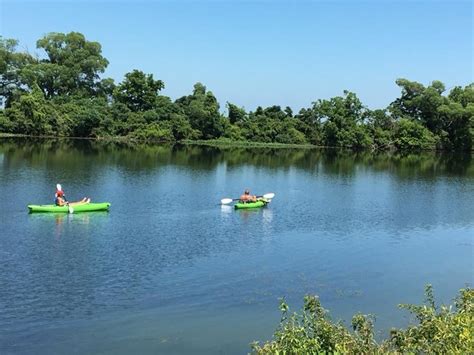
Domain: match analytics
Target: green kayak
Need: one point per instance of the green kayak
(86, 207)
(259, 203)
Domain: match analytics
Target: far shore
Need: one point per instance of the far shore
(218, 143)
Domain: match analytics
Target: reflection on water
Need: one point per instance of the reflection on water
(364, 231)
(226, 210)
(88, 154)
(60, 218)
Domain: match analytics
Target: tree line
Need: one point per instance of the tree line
(62, 93)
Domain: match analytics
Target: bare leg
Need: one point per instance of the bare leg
(82, 202)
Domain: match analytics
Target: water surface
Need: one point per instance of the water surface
(169, 270)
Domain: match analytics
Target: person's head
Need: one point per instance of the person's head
(59, 193)
(246, 192)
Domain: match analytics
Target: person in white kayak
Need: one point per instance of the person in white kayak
(60, 198)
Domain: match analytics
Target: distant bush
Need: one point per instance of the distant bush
(444, 330)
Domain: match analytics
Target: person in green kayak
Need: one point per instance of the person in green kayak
(60, 198)
(246, 197)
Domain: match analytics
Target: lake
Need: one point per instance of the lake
(170, 270)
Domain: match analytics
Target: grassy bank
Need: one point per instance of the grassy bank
(219, 143)
(245, 144)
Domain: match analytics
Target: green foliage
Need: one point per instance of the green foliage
(61, 92)
(342, 118)
(11, 64)
(458, 125)
(463, 96)
(413, 135)
(202, 109)
(231, 131)
(85, 115)
(32, 115)
(419, 103)
(448, 117)
(440, 331)
(155, 133)
(72, 65)
(138, 91)
(443, 331)
(236, 114)
(271, 125)
(309, 123)
(5, 124)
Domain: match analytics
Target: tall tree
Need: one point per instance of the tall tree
(420, 103)
(464, 96)
(11, 64)
(202, 110)
(72, 65)
(236, 114)
(343, 118)
(139, 91)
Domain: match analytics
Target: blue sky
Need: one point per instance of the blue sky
(266, 52)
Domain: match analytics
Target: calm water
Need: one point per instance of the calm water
(168, 270)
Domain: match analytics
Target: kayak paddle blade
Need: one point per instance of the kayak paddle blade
(71, 210)
(269, 196)
(226, 201)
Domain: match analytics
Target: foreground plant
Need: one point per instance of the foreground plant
(444, 330)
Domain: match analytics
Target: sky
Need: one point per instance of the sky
(251, 53)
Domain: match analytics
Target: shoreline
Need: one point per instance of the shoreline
(201, 142)
(217, 143)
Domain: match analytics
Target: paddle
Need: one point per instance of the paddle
(267, 196)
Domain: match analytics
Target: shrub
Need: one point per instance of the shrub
(410, 134)
(443, 331)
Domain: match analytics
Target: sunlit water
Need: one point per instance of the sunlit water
(168, 270)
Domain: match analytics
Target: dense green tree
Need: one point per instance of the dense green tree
(458, 125)
(72, 65)
(272, 124)
(439, 114)
(410, 134)
(181, 128)
(420, 103)
(11, 64)
(463, 96)
(5, 124)
(343, 117)
(380, 124)
(309, 122)
(233, 132)
(86, 116)
(236, 114)
(33, 115)
(139, 91)
(202, 110)
(105, 88)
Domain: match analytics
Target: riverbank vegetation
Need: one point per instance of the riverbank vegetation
(439, 330)
(61, 92)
